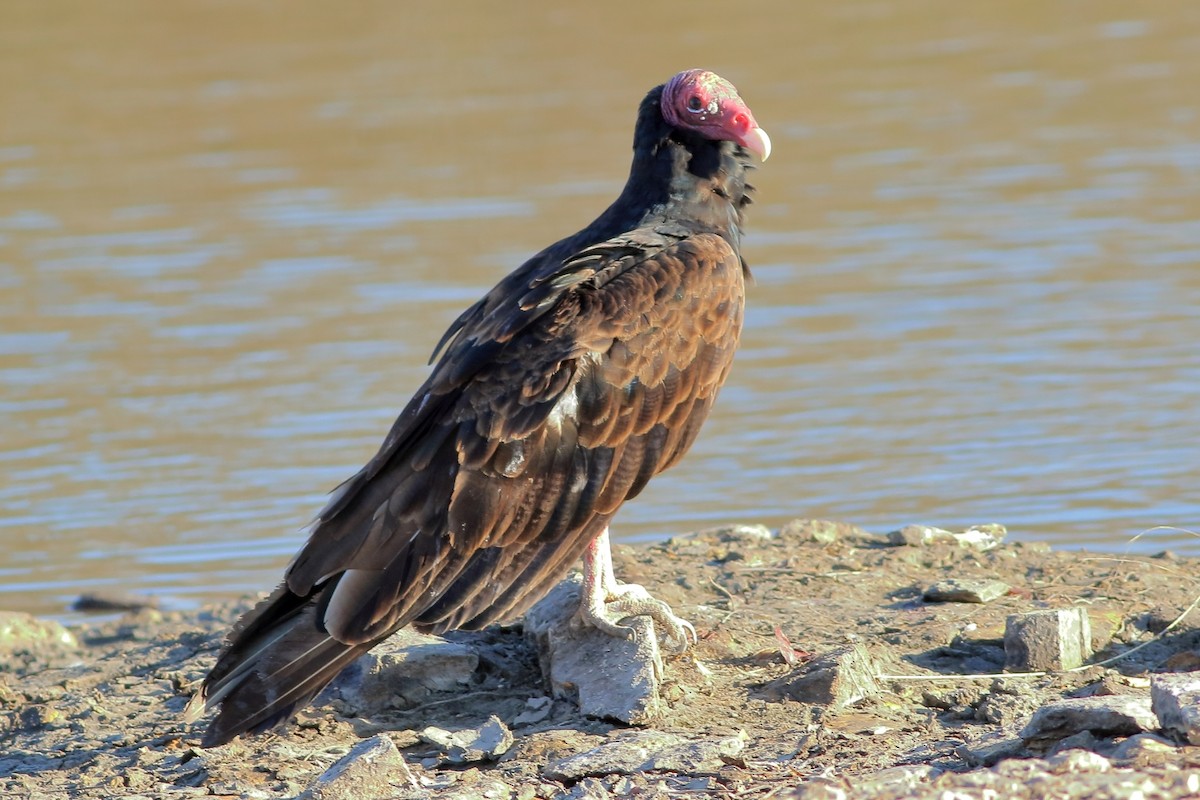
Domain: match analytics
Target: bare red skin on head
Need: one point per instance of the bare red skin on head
(704, 102)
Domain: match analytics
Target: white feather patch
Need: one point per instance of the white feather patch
(567, 407)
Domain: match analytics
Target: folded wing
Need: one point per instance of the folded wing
(548, 409)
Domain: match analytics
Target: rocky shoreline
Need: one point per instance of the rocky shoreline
(831, 663)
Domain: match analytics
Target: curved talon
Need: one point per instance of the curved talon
(689, 632)
(601, 622)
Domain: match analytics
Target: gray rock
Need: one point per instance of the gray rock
(1109, 715)
(917, 535)
(991, 749)
(647, 751)
(1144, 748)
(979, 537)
(404, 671)
(1084, 740)
(837, 679)
(1078, 760)
(25, 633)
(819, 530)
(1175, 699)
(1047, 640)
(1007, 705)
(485, 743)
(734, 533)
(372, 770)
(536, 710)
(586, 789)
(965, 591)
(607, 677)
(551, 744)
(704, 755)
(537, 791)
(982, 537)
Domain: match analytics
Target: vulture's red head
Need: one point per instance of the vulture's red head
(704, 102)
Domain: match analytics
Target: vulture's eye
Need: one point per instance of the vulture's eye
(695, 103)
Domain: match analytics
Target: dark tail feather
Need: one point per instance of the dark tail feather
(277, 660)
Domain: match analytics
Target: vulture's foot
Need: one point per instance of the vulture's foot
(631, 600)
(605, 602)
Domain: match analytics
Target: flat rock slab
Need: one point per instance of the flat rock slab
(372, 770)
(1175, 699)
(647, 751)
(485, 743)
(607, 677)
(1047, 641)
(837, 679)
(405, 671)
(955, 590)
(1108, 715)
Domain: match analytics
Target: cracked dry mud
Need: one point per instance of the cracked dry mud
(97, 712)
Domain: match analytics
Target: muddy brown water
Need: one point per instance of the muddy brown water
(230, 235)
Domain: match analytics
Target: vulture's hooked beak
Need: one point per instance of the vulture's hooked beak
(756, 141)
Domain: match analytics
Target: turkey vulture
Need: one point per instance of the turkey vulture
(554, 400)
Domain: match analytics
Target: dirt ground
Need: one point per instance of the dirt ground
(97, 711)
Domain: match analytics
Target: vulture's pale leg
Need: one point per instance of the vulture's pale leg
(605, 601)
